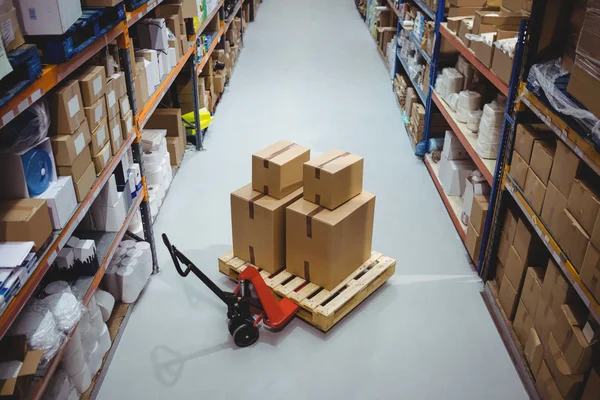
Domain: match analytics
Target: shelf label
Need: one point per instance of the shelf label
(578, 151)
(563, 134)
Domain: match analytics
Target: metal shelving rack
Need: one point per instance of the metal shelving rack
(107, 242)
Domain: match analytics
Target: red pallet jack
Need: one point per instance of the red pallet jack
(242, 306)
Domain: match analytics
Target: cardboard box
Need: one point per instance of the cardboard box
(534, 191)
(576, 350)
(483, 51)
(544, 320)
(11, 31)
(25, 220)
(499, 274)
(325, 246)
(522, 324)
(479, 209)
(502, 65)
(518, 169)
(453, 23)
(514, 269)
(95, 114)
(545, 384)
(573, 239)
(48, 17)
(116, 137)
(253, 212)
(92, 82)
(584, 204)
(462, 11)
(509, 228)
(529, 247)
(333, 178)
(534, 351)
(453, 175)
(85, 182)
(100, 137)
(61, 201)
(169, 119)
(112, 105)
(503, 249)
(466, 26)
(568, 384)
(124, 105)
(595, 236)
(219, 81)
(564, 169)
(473, 243)
(174, 147)
(508, 298)
(277, 170)
(66, 108)
(127, 124)
(102, 158)
(583, 85)
(542, 157)
(532, 289)
(554, 204)
(495, 18)
(141, 83)
(592, 386)
(474, 186)
(67, 148)
(512, 5)
(78, 167)
(471, 3)
(556, 291)
(526, 136)
(590, 270)
(15, 348)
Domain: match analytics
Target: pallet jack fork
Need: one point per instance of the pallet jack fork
(242, 306)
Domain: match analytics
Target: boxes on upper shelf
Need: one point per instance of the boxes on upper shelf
(83, 173)
(573, 239)
(324, 246)
(333, 178)
(565, 168)
(278, 169)
(66, 108)
(48, 17)
(534, 191)
(67, 148)
(542, 157)
(169, 119)
(92, 82)
(518, 169)
(95, 114)
(61, 201)
(527, 135)
(25, 220)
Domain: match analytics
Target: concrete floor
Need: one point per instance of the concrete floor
(310, 73)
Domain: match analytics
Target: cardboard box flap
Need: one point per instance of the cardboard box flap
(280, 152)
(20, 210)
(333, 161)
(258, 199)
(331, 217)
(15, 348)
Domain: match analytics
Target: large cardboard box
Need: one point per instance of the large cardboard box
(67, 148)
(529, 246)
(78, 167)
(277, 170)
(534, 351)
(514, 269)
(546, 385)
(573, 239)
(568, 384)
(509, 228)
(12, 37)
(484, 51)
(174, 147)
(544, 320)
(92, 81)
(473, 243)
(590, 270)
(576, 350)
(502, 64)
(592, 386)
(333, 178)
(564, 169)
(503, 249)
(508, 298)
(554, 204)
(66, 108)
(169, 119)
(527, 134)
(542, 157)
(15, 348)
(25, 220)
(325, 246)
(48, 17)
(532, 289)
(584, 204)
(479, 209)
(259, 227)
(534, 191)
(584, 86)
(522, 324)
(96, 114)
(556, 291)
(518, 169)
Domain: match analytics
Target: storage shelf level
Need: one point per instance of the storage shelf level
(428, 11)
(414, 84)
(212, 47)
(232, 15)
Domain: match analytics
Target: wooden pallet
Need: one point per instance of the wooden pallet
(320, 307)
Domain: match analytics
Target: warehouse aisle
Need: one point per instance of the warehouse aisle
(310, 73)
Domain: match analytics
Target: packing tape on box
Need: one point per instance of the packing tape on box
(252, 259)
(309, 218)
(275, 154)
(251, 204)
(37, 166)
(320, 166)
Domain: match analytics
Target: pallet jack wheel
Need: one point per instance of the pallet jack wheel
(245, 335)
(235, 322)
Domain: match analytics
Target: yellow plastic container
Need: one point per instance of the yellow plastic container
(205, 120)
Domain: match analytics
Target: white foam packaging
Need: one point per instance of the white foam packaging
(106, 303)
(453, 148)
(82, 380)
(74, 362)
(61, 200)
(65, 259)
(59, 387)
(453, 175)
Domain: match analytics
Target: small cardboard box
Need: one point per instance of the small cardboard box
(590, 270)
(534, 351)
(527, 134)
(78, 167)
(85, 182)
(174, 147)
(529, 247)
(169, 119)
(12, 37)
(92, 82)
(479, 211)
(333, 178)
(584, 86)
(514, 269)
(102, 158)
(523, 323)
(61, 201)
(568, 384)
(66, 108)
(127, 124)
(502, 65)
(277, 170)
(99, 138)
(542, 158)
(324, 246)
(219, 81)
(555, 288)
(495, 18)
(453, 24)
(466, 26)
(532, 289)
(15, 348)
(576, 350)
(95, 114)
(592, 386)
(253, 212)
(554, 204)
(508, 298)
(484, 51)
(25, 220)
(124, 105)
(116, 137)
(573, 239)
(544, 320)
(518, 169)
(503, 249)
(534, 191)
(48, 17)
(112, 105)
(564, 169)
(67, 148)
(584, 203)
(473, 243)
(509, 228)
(545, 384)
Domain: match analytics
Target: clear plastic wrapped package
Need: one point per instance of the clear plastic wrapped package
(65, 308)
(39, 327)
(27, 130)
(473, 120)
(467, 101)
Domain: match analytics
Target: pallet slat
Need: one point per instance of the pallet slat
(320, 307)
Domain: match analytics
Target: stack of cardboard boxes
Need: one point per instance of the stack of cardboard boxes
(170, 120)
(311, 217)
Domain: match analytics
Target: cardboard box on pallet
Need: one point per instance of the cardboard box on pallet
(522, 324)
(92, 82)
(573, 239)
(556, 291)
(554, 204)
(534, 351)
(324, 246)
(532, 289)
(526, 136)
(66, 108)
(259, 227)
(576, 350)
(277, 169)
(67, 148)
(568, 384)
(25, 220)
(590, 270)
(333, 178)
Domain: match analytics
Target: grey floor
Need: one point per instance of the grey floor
(310, 73)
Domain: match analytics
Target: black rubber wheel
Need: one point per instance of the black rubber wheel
(245, 335)
(234, 323)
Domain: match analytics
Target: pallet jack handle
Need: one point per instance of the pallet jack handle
(176, 255)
